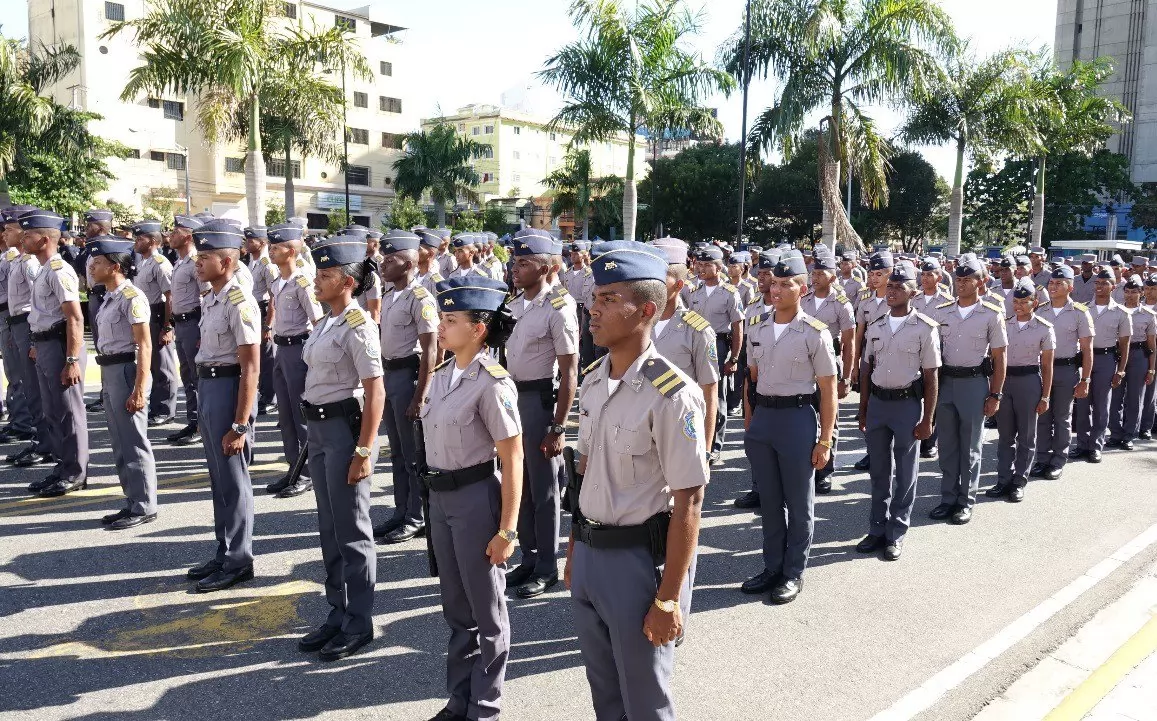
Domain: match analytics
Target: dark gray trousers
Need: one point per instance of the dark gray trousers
(128, 435)
(343, 522)
(19, 417)
(64, 413)
(1091, 413)
(1054, 427)
(779, 443)
(289, 385)
(400, 387)
(188, 337)
(30, 382)
(163, 399)
(1016, 424)
(265, 392)
(960, 421)
(722, 349)
(1125, 406)
(539, 512)
(892, 447)
(462, 522)
(1149, 407)
(228, 475)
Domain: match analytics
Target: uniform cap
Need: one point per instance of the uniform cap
(1151, 280)
(930, 264)
(298, 221)
(673, 249)
(738, 257)
(755, 250)
(789, 265)
(442, 233)
(98, 215)
(147, 226)
(375, 234)
(768, 259)
(283, 232)
(532, 231)
(1140, 261)
(429, 238)
(471, 292)
(217, 235)
(187, 222)
(619, 261)
(1022, 261)
(259, 231)
(709, 253)
(1036, 250)
(968, 265)
(1064, 272)
(397, 240)
(536, 245)
(1058, 258)
(204, 215)
(339, 250)
(825, 261)
(1104, 273)
(1133, 282)
(1117, 261)
(1024, 288)
(1089, 258)
(462, 240)
(1006, 262)
(881, 260)
(37, 219)
(359, 230)
(579, 246)
(108, 245)
(903, 272)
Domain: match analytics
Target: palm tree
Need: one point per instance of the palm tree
(574, 188)
(838, 56)
(984, 107)
(438, 160)
(631, 72)
(225, 52)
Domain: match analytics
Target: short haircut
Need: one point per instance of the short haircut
(678, 271)
(649, 291)
(544, 259)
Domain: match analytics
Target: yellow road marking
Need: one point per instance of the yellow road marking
(1085, 697)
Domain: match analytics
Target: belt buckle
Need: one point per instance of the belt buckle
(212, 371)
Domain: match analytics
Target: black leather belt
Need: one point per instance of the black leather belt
(346, 409)
(646, 534)
(1023, 370)
(113, 359)
(798, 401)
(542, 385)
(396, 364)
(284, 340)
(1105, 351)
(226, 371)
(453, 480)
(1074, 361)
(17, 319)
(194, 314)
(56, 332)
(1139, 345)
(916, 390)
(157, 311)
(962, 371)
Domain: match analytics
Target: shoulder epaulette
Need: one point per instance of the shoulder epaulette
(1048, 323)
(497, 371)
(942, 287)
(301, 262)
(237, 296)
(815, 323)
(354, 317)
(587, 270)
(436, 278)
(561, 292)
(264, 260)
(926, 319)
(757, 319)
(303, 281)
(993, 306)
(696, 321)
(865, 293)
(130, 293)
(755, 300)
(728, 287)
(841, 298)
(11, 255)
(1081, 307)
(444, 363)
(592, 366)
(56, 264)
(160, 259)
(665, 378)
(558, 298)
(421, 293)
(945, 305)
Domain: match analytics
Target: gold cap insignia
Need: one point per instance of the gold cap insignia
(325, 259)
(448, 301)
(609, 265)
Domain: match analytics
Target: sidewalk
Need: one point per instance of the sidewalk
(1106, 672)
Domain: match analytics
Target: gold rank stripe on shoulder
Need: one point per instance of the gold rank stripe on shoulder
(945, 305)
(303, 281)
(592, 366)
(497, 371)
(1047, 323)
(237, 296)
(665, 378)
(841, 298)
(264, 260)
(815, 323)
(728, 287)
(992, 306)
(558, 302)
(354, 317)
(757, 319)
(561, 292)
(421, 293)
(444, 363)
(159, 258)
(696, 321)
(757, 299)
(865, 293)
(436, 278)
(56, 264)
(1081, 306)
(926, 319)
(12, 254)
(130, 293)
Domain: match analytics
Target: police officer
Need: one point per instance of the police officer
(897, 401)
(543, 344)
(580, 283)
(1084, 282)
(185, 313)
(849, 263)
(470, 418)
(1041, 274)
(633, 540)
(57, 330)
(410, 352)
(971, 330)
(97, 222)
(720, 304)
(1112, 328)
(227, 366)
(264, 272)
(827, 303)
(124, 351)
(1128, 397)
(343, 399)
(293, 311)
(20, 423)
(428, 272)
(1031, 345)
(464, 246)
(1149, 404)
(155, 279)
(869, 309)
(445, 258)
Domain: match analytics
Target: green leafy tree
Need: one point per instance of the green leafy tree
(274, 213)
(915, 191)
(162, 204)
(122, 214)
(996, 204)
(26, 113)
(696, 193)
(836, 57)
(405, 213)
(495, 220)
(573, 186)
(225, 53)
(467, 222)
(338, 219)
(631, 70)
(784, 205)
(438, 161)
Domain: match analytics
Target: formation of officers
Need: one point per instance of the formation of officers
(472, 367)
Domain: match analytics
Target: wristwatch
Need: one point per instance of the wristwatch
(825, 444)
(362, 451)
(240, 428)
(509, 536)
(996, 396)
(556, 429)
(71, 359)
(666, 606)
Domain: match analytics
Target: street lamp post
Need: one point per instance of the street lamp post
(188, 188)
(743, 131)
(345, 135)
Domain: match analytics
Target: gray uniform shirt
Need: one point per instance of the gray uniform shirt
(228, 319)
(339, 355)
(264, 272)
(1026, 344)
(120, 310)
(462, 272)
(1111, 324)
(185, 288)
(1069, 326)
(544, 329)
(430, 281)
(1083, 290)
(721, 307)
(5, 269)
(20, 280)
(405, 318)
(835, 312)
(55, 285)
(927, 304)
(580, 284)
(154, 277)
(899, 357)
(852, 288)
(244, 278)
(790, 364)
(967, 341)
(688, 341)
(295, 308)
(641, 441)
(462, 421)
(446, 263)
(870, 308)
(1144, 322)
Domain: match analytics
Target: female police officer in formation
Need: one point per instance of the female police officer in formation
(470, 417)
(124, 354)
(342, 403)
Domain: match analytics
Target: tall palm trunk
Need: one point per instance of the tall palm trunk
(255, 166)
(630, 192)
(1038, 205)
(290, 205)
(828, 222)
(956, 204)
(440, 211)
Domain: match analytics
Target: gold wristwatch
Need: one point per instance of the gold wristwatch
(666, 606)
(362, 451)
(826, 444)
(509, 536)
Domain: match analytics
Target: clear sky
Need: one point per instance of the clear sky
(465, 51)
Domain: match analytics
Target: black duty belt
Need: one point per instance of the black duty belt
(443, 481)
(798, 401)
(1074, 361)
(1105, 351)
(284, 340)
(194, 314)
(112, 359)
(3, 307)
(226, 371)
(56, 332)
(1024, 370)
(345, 409)
(1139, 345)
(724, 337)
(17, 319)
(915, 390)
(652, 533)
(962, 371)
(157, 310)
(397, 364)
(542, 385)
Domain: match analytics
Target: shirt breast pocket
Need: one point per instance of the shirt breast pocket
(631, 447)
(458, 427)
(801, 367)
(327, 354)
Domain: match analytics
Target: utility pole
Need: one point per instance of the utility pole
(743, 132)
(345, 141)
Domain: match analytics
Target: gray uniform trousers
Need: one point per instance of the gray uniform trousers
(586, 340)
(1091, 413)
(289, 384)
(1054, 427)
(462, 522)
(539, 514)
(830, 468)
(1016, 425)
(722, 349)
(892, 447)
(95, 299)
(19, 417)
(163, 399)
(1125, 406)
(188, 336)
(64, 413)
(611, 591)
(30, 382)
(779, 445)
(128, 435)
(228, 475)
(343, 521)
(401, 385)
(960, 420)
(265, 393)
(1149, 407)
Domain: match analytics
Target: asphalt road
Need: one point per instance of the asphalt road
(95, 624)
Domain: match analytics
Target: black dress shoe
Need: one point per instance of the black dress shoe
(961, 516)
(132, 521)
(1145, 435)
(95, 407)
(448, 715)
(929, 452)
(786, 591)
(1015, 494)
(388, 526)
(315, 640)
(206, 569)
(38, 486)
(189, 434)
(714, 459)
(944, 510)
(344, 644)
(519, 575)
(1077, 454)
(303, 485)
(404, 533)
(30, 457)
(999, 490)
(266, 409)
(223, 579)
(823, 487)
(1053, 473)
(893, 550)
(870, 544)
(1125, 444)
(1038, 470)
(62, 487)
(105, 520)
(748, 500)
(155, 421)
(863, 464)
(279, 485)
(762, 583)
(1113, 443)
(1094, 456)
(536, 586)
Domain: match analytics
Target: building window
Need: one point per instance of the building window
(362, 220)
(516, 177)
(476, 130)
(157, 156)
(361, 100)
(154, 103)
(488, 152)
(174, 110)
(392, 141)
(387, 181)
(134, 154)
(290, 10)
(517, 155)
(317, 221)
(341, 21)
(275, 168)
(394, 105)
(517, 130)
(359, 136)
(489, 130)
(358, 175)
(175, 161)
(553, 136)
(386, 68)
(461, 127)
(234, 165)
(486, 177)
(114, 12)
